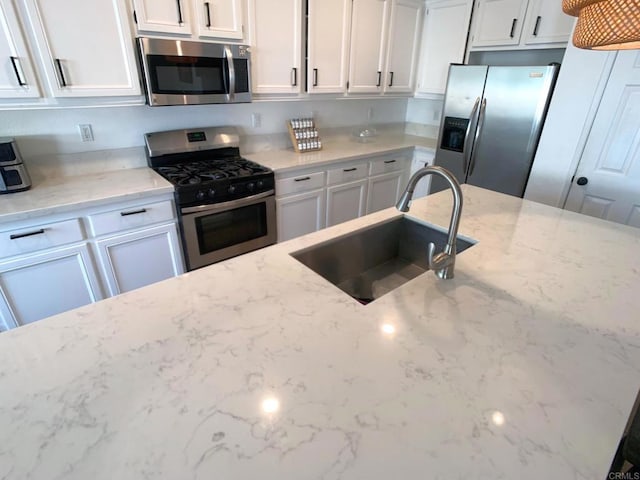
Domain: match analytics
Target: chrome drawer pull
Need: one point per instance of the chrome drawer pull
(16, 236)
(133, 212)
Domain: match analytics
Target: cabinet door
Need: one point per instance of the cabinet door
(498, 22)
(87, 47)
(44, 284)
(219, 18)
(404, 35)
(421, 159)
(346, 202)
(300, 214)
(276, 53)
(368, 38)
(17, 78)
(384, 191)
(547, 23)
(328, 45)
(162, 16)
(444, 38)
(140, 258)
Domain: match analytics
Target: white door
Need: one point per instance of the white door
(607, 182)
(421, 159)
(219, 18)
(547, 23)
(404, 36)
(368, 40)
(44, 284)
(384, 191)
(300, 214)
(444, 37)
(17, 78)
(328, 45)
(87, 47)
(498, 22)
(162, 16)
(276, 52)
(346, 202)
(140, 258)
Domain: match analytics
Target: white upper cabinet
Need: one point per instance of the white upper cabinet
(86, 47)
(276, 51)
(328, 45)
(17, 78)
(219, 18)
(547, 23)
(404, 33)
(368, 41)
(163, 16)
(498, 22)
(444, 37)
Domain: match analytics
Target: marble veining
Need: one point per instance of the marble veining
(525, 365)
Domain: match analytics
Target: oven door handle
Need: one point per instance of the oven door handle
(226, 205)
(232, 71)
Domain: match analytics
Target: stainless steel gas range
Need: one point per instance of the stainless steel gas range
(226, 203)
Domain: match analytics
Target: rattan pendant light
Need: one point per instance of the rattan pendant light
(605, 24)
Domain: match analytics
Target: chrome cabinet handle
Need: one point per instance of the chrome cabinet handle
(208, 10)
(467, 135)
(379, 82)
(14, 62)
(16, 236)
(133, 212)
(391, 79)
(535, 29)
(294, 77)
(63, 81)
(483, 109)
(180, 20)
(513, 28)
(315, 77)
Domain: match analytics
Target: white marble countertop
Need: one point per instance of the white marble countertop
(339, 148)
(58, 194)
(525, 365)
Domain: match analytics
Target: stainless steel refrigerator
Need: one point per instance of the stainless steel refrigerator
(491, 124)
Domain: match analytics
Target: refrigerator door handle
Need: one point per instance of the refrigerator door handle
(467, 135)
(483, 110)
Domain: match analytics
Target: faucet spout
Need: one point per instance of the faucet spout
(441, 263)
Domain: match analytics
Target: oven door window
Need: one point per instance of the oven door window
(231, 227)
(182, 75)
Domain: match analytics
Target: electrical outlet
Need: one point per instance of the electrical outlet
(86, 133)
(256, 120)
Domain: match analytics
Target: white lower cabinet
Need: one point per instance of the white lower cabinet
(422, 158)
(46, 283)
(139, 258)
(384, 191)
(300, 214)
(346, 201)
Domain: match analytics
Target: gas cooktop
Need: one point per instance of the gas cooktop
(202, 172)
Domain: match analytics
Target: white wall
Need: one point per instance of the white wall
(424, 111)
(54, 131)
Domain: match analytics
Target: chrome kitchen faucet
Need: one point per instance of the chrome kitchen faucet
(441, 263)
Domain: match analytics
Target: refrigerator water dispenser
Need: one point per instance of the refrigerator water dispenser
(453, 133)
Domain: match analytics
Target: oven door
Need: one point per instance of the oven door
(216, 232)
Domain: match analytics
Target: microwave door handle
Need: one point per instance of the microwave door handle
(232, 71)
(466, 147)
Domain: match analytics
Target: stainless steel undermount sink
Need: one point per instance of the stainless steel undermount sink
(372, 261)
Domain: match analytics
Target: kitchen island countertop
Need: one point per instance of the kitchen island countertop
(525, 365)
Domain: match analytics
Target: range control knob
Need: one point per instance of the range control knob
(232, 189)
(251, 186)
(260, 184)
(212, 193)
(200, 195)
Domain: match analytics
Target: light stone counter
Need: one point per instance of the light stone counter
(339, 148)
(525, 365)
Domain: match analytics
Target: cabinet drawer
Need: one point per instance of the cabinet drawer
(347, 173)
(40, 237)
(387, 164)
(299, 183)
(130, 217)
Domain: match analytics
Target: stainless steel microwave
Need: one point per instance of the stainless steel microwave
(177, 72)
